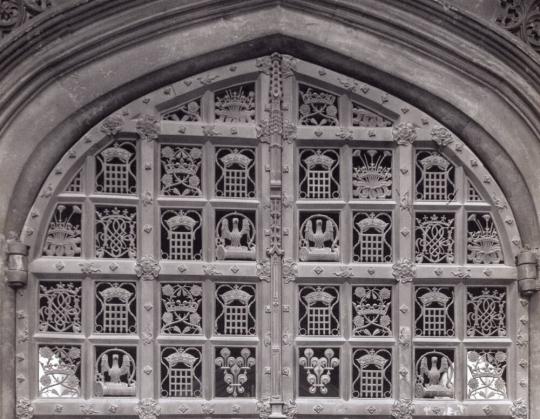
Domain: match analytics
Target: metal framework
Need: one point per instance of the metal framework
(271, 239)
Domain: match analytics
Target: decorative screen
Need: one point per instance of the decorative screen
(271, 239)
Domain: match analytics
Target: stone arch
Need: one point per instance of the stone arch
(467, 120)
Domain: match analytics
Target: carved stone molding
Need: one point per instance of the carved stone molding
(24, 409)
(147, 268)
(148, 409)
(403, 409)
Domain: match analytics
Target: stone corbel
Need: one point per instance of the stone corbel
(17, 264)
(527, 271)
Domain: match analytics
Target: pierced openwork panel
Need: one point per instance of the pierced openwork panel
(181, 170)
(363, 117)
(319, 311)
(181, 234)
(486, 374)
(319, 372)
(116, 169)
(435, 177)
(64, 234)
(181, 308)
(235, 372)
(116, 232)
(59, 371)
(472, 193)
(116, 371)
(116, 307)
(372, 237)
(181, 371)
(319, 237)
(235, 172)
(435, 373)
(317, 107)
(75, 186)
(252, 239)
(372, 174)
(372, 311)
(235, 235)
(186, 112)
(319, 173)
(435, 311)
(483, 241)
(372, 373)
(435, 238)
(236, 308)
(486, 311)
(60, 307)
(236, 104)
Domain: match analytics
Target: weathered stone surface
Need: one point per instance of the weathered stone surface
(491, 102)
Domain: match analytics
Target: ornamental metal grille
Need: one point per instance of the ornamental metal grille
(372, 374)
(271, 237)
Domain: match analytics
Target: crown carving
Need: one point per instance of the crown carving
(236, 294)
(185, 306)
(181, 220)
(435, 160)
(310, 97)
(116, 292)
(372, 358)
(236, 158)
(319, 296)
(372, 222)
(116, 152)
(181, 357)
(434, 297)
(319, 159)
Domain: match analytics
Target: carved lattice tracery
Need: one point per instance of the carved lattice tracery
(220, 279)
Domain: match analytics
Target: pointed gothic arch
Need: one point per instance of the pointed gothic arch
(457, 120)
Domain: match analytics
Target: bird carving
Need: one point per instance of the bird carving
(115, 371)
(235, 235)
(319, 237)
(434, 373)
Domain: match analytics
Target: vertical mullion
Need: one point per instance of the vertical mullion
(145, 355)
(405, 291)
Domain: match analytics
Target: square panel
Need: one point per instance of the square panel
(371, 311)
(181, 234)
(435, 237)
(116, 307)
(235, 310)
(181, 371)
(116, 232)
(318, 312)
(116, 371)
(181, 308)
(60, 306)
(435, 311)
(318, 237)
(235, 172)
(435, 373)
(372, 237)
(236, 235)
(59, 371)
(181, 170)
(486, 312)
(318, 372)
(318, 170)
(235, 372)
(372, 373)
(372, 174)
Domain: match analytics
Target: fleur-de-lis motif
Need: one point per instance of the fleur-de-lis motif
(318, 369)
(235, 369)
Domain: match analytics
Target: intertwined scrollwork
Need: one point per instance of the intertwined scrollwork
(372, 174)
(181, 309)
(434, 238)
(64, 232)
(486, 374)
(483, 242)
(181, 170)
(59, 307)
(522, 18)
(372, 311)
(15, 13)
(235, 365)
(59, 371)
(116, 232)
(486, 311)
